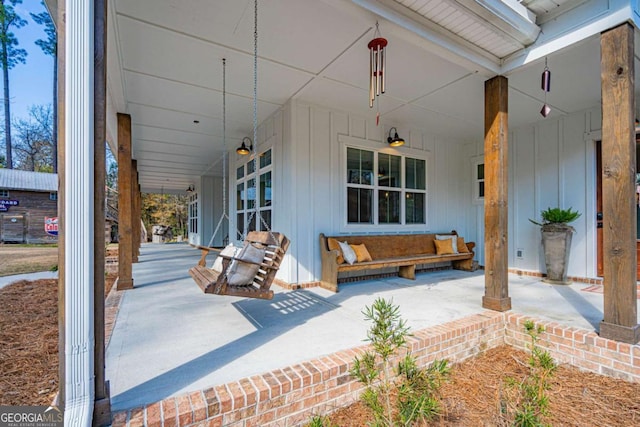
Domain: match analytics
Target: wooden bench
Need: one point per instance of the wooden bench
(404, 251)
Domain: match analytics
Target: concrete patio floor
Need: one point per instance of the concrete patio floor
(170, 338)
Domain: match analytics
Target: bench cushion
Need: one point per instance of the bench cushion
(402, 261)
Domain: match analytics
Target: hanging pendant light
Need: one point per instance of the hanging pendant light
(545, 85)
(377, 66)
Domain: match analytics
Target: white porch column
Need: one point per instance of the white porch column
(79, 210)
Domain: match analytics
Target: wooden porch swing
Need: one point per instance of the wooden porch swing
(248, 271)
(263, 253)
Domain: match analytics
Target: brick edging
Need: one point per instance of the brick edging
(530, 273)
(111, 309)
(293, 394)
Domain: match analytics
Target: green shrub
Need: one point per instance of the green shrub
(320, 421)
(532, 402)
(416, 387)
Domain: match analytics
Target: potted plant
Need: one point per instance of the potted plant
(556, 241)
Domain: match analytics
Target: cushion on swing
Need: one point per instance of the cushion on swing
(242, 273)
(229, 250)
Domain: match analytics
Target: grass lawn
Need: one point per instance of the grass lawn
(20, 259)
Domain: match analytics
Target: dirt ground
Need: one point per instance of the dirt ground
(19, 259)
(475, 396)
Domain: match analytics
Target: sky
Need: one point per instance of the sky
(30, 83)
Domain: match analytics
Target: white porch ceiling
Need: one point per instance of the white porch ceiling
(165, 69)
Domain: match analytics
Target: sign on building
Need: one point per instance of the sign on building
(51, 225)
(5, 204)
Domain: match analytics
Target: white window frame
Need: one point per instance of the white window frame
(256, 174)
(53, 196)
(477, 199)
(193, 213)
(404, 152)
(4, 194)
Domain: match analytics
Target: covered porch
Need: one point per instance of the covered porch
(170, 340)
(463, 92)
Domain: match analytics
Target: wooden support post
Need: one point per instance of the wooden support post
(125, 216)
(139, 215)
(135, 216)
(102, 402)
(496, 287)
(618, 185)
(61, 51)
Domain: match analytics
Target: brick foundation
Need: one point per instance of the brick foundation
(291, 395)
(588, 280)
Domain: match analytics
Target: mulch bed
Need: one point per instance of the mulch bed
(475, 396)
(29, 341)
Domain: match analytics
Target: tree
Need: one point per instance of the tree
(33, 145)
(50, 47)
(111, 168)
(165, 209)
(10, 56)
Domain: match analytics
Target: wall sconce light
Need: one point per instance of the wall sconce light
(395, 141)
(243, 150)
(190, 189)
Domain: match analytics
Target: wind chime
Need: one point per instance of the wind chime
(377, 66)
(545, 84)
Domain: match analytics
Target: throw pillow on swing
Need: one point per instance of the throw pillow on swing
(229, 250)
(243, 273)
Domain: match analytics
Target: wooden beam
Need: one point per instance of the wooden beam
(138, 215)
(61, 50)
(496, 288)
(618, 185)
(135, 217)
(102, 402)
(125, 189)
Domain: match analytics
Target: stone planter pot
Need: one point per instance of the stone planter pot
(556, 240)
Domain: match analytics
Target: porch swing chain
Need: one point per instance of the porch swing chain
(255, 116)
(255, 210)
(224, 154)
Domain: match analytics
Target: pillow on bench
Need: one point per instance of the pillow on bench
(462, 246)
(348, 253)
(362, 254)
(444, 247)
(333, 245)
(452, 238)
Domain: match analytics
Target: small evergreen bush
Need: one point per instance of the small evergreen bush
(416, 387)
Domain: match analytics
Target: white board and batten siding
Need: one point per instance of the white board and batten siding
(552, 163)
(314, 198)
